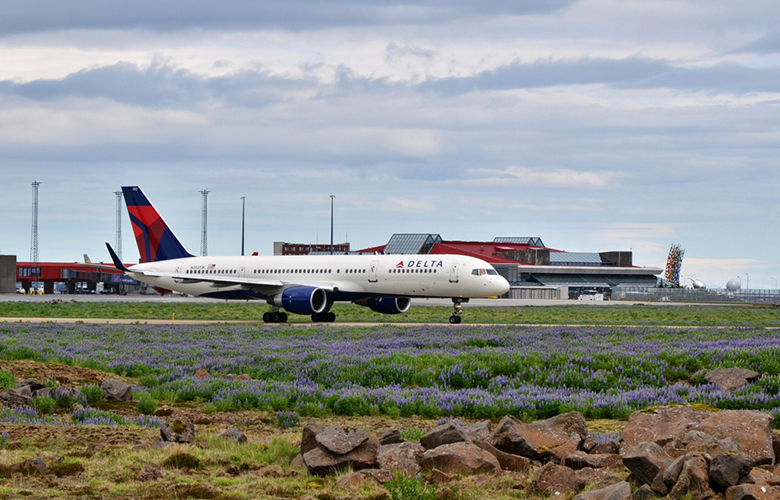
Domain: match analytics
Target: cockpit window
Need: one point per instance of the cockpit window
(483, 272)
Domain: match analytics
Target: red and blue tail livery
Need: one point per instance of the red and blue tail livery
(155, 239)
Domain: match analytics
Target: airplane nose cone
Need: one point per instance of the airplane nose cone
(500, 286)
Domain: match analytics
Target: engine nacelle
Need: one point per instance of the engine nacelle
(301, 300)
(387, 305)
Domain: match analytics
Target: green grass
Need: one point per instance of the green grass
(615, 314)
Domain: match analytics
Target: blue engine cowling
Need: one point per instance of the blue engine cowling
(387, 305)
(302, 300)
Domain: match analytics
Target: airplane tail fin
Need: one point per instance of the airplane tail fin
(155, 239)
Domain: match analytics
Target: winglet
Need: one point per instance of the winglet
(115, 258)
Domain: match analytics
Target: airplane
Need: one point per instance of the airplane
(302, 284)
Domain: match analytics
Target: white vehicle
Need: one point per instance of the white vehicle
(307, 285)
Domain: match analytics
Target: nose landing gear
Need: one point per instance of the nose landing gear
(457, 309)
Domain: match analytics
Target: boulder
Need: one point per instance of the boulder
(234, 435)
(694, 479)
(320, 461)
(20, 396)
(116, 389)
(728, 469)
(680, 429)
(308, 441)
(341, 440)
(391, 436)
(351, 481)
(610, 447)
(507, 461)
(646, 460)
(731, 379)
(644, 492)
(179, 430)
(444, 434)
(599, 478)
(535, 440)
(463, 457)
(401, 457)
(479, 432)
(555, 480)
(752, 492)
(618, 491)
(580, 460)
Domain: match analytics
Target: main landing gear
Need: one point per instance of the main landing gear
(323, 317)
(275, 316)
(457, 309)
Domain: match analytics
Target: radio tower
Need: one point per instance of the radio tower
(118, 242)
(203, 218)
(34, 240)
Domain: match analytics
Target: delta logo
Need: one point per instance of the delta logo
(420, 263)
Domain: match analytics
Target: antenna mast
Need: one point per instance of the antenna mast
(203, 218)
(118, 242)
(34, 239)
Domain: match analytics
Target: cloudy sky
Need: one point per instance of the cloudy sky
(595, 124)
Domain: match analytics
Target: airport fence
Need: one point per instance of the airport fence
(754, 296)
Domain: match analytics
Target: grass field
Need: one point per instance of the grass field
(602, 361)
(755, 316)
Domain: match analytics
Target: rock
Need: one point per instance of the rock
(116, 389)
(536, 439)
(201, 373)
(33, 466)
(610, 447)
(646, 460)
(298, 462)
(150, 473)
(731, 379)
(438, 477)
(381, 476)
(463, 457)
(341, 440)
(479, 432)
(234, 434)
(391, 436)
(557, 480)
(446, 494)
(761, 477)
(308, 441)
(558, 453)
(179, 430)
(776, 446)
(728, 469)
(320, 461)
(20, 396)
(507, 461)
(33, 385)
(668, 477)
(444, 434)
(401, 457)
(351, 481)
(752, 492)
(580, 460)
(644, 492)
(618, 491)
(670, 427)
(694, 479)
(599, 478)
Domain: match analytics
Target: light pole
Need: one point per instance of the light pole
(747, 286)
(243, 214)
(331, 223)
(775, 280)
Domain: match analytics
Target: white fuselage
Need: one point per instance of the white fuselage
(344, 277)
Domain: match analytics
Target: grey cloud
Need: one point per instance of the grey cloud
(767, 44)
(632, 72)
(172, 15)
(159, 85)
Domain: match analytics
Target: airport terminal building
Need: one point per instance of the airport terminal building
(533, 270)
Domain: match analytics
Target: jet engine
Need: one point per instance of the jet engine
(301, 300)
(387, 305)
